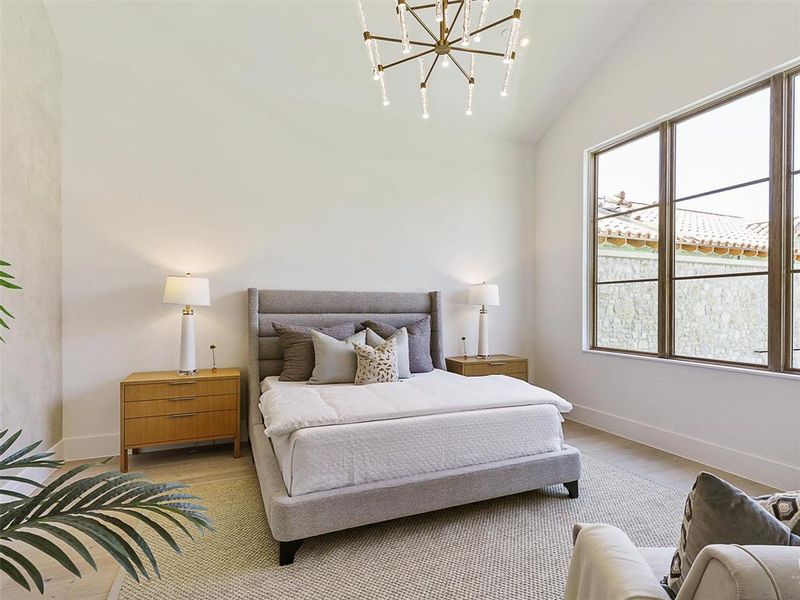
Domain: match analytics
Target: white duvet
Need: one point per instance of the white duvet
(290, 408)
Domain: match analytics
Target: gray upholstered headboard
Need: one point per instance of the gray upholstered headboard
(320, 309)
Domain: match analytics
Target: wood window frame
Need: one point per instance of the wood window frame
(779, 271)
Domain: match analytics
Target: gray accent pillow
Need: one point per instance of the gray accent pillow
(335, 361)
(298, 349)
(401, 335)
(419, 342)
(718, 513)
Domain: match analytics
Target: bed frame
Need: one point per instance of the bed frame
(294, 518)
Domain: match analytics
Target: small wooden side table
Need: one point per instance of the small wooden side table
(163, 407)
(497, 364)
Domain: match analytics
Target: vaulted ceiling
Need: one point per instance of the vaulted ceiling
(314, 50)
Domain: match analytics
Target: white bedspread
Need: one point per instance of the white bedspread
(288, 409)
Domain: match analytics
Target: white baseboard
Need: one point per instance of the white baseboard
(91, 446)
(744, 464)
(34, 474)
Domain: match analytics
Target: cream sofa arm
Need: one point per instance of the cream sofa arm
(606, 565)
(732, 572)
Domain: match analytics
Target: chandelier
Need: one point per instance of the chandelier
(442, 44)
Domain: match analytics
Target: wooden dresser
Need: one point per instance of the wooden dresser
(162, 407)
(497, 364)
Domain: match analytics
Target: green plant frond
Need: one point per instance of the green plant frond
(158, 528)
(106, 489)
(46, 546)
(4, 310)
(14, 494)
(9, 460)
(4, 263)
(106, 538)
(76, 489)
(9, 285)
(143, 492)
(69, 539)
(26, 564)
(137, 538)
(3, 323)
(24, 480)
(14, 573)
(10, 441)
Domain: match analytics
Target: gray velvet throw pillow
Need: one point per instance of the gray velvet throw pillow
(335, 361)
(401, 335)
(419, 342)
(298, 349)
(718, 513)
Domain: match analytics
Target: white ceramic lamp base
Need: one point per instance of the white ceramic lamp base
(188, 364)
(483, 334)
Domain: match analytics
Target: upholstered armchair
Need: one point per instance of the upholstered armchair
(606, 565)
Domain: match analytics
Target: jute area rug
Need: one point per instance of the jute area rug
(508, 548)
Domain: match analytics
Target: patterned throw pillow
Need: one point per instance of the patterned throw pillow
(784, 506)
(376, 365)
(718, 513)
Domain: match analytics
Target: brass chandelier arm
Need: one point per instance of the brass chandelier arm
(485, 27)
(453, 22)
(471, 51)
(421, 22)
(460, 68)
(433, 64)
(406, 59)
(399, 41)
(434, 4)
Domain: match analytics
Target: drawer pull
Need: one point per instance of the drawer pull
(181, 415)
(181, 382)
(183, 398)
(496, 364)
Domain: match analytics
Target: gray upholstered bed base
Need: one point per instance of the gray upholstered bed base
(293, 518)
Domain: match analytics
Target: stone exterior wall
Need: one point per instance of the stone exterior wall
(714, 318)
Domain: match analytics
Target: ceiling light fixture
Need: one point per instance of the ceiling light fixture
(443, 44)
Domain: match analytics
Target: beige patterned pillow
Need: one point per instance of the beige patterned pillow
(377, 365)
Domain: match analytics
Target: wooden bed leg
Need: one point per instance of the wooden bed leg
(286, 551)
(572, 488)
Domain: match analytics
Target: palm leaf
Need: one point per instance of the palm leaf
(4, 310)
(9, 569)
(88, 506)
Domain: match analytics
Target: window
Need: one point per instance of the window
(695, 224)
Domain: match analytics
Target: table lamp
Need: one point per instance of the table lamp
(188, 291)
(484, 294)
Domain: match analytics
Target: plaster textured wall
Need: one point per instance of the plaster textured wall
(30, 225)
(166, 172)
(676, 54)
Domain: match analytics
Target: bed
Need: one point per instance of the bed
(337, 475)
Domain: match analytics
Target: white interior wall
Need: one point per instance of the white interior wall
(676, 54)
(167, 171)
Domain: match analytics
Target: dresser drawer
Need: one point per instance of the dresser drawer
(172, 406)
(498, 367)
(180, 389)
(179, 427)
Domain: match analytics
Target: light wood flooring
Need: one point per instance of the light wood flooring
(204, 464)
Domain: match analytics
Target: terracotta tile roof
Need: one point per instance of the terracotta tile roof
(692, 227)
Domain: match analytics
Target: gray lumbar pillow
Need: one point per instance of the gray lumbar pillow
(419, 342)
(298, 349)
(335, 361)
(718, 513)
(401, 335)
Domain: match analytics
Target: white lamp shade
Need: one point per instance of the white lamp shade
(485, 294)
(187, 290)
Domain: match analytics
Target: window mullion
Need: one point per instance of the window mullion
(665, 240)
(777, 335)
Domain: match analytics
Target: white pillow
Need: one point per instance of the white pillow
(401, 335)
(334, 361)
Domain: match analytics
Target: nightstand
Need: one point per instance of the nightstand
(497, 364)
(162, 407)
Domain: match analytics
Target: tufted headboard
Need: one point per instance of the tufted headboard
(321, 309)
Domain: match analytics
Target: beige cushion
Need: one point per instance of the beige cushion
(376, 365)
(401, 335)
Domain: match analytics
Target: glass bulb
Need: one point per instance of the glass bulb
(439, 11)
(467, 4)
(481, 19)
(401, 15)
(507, 78)
(512, 41)
(445, 62)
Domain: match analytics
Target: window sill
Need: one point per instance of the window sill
(692, 363)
